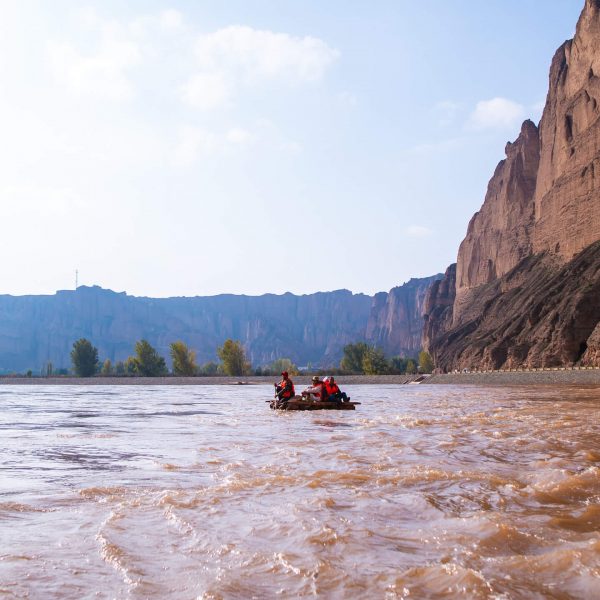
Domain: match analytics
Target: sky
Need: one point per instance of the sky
(198, 147)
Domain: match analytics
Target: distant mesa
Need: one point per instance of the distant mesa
(309, 329)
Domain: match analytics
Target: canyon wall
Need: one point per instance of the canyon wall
(526, 284)
(396, 319)
(313, 328)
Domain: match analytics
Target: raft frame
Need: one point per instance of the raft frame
(299, 403)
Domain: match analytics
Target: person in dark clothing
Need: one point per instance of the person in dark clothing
(333, 391)
(284, 390)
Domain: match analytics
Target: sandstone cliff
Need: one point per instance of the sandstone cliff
(567, 209)
(527, 271)
(314, 328)
(438, 308)
(396, 320)
(499, 235)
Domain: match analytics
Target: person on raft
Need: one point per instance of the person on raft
(316, 392)
(334, 394)
(284, 390)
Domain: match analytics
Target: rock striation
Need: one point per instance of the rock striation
(567, 210)
(313, 328)
(526, 283)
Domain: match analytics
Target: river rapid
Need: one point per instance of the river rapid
(203, 492)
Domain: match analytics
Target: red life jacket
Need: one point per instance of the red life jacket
(331, 388)
(288, 392)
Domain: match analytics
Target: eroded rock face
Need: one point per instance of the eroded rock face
(567, 206)
(499, 235)
(438, 307)
(592, 354)
(526, 278)
(541, 314)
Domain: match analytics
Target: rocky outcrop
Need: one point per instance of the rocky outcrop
(314, 328)
(540, 314)
(396, 321)
(438, 308)
(592, 353)
(499, 235)
(526, 276)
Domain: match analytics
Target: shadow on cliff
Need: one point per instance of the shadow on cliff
(540, 314)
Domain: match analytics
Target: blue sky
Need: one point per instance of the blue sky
(194, 148)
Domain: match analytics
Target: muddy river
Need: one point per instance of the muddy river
(203, 492)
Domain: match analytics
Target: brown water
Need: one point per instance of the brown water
(203, 492)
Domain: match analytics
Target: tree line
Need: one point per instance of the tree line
(362, 359)
(359, 358)
(147, 362)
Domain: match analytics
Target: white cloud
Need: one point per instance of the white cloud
(171, 19)
(238, 56)
(238, 136)
(497, 113)
(102, 73)
(33, 201)
(258, 55)
(210, 68)
(195, 144)
(206, 91)
(418, 231)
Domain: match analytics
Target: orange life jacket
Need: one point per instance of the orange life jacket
(288, 390)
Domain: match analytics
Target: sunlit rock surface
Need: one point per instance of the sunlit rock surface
(527, 278)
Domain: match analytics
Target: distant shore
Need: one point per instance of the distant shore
(549, 377)
(221, 380)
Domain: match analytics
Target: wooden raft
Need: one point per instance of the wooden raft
(298, 403)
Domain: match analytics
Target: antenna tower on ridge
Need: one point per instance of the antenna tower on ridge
(76, 278)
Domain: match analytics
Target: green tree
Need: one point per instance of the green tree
(209, 368)
(233, 358)
(425, 362)
(84, 357)
(411, 366)
(280, 365)
(148, 362)
(120, 368)
(374, 362)
(107, 368)
(354, 354)
(184, 359)
(130, 366)
(398, 364)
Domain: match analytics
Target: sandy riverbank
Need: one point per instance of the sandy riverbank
(566, 377)
(299, 381)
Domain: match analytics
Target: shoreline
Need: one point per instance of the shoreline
(550, 377)
(221, 380)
